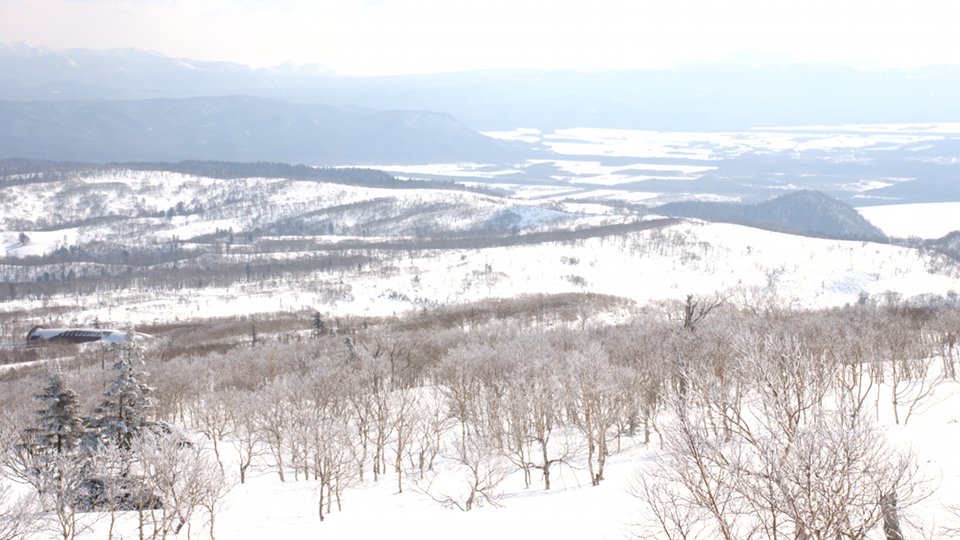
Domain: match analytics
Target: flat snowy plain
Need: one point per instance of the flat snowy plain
(929, 220)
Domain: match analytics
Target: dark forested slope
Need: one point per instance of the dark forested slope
(801, 212)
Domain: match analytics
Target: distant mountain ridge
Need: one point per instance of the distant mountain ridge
(236, 128)
(40, 73)
(804, 212)
(711, 97)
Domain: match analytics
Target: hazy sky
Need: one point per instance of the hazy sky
(408, 36)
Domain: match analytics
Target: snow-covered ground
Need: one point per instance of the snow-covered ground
(646, 267)
(747, 265)
(264, 507)
(716, 145)
(573, 509)
(594, 172)
(455, 170)
(622, 158)
(926, 220)
(129, 207)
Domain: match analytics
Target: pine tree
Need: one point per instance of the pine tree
(51, 457)
(319, 325)
(125, 411)
(59, 426)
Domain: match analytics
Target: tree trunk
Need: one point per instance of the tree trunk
(213, 518)
(320, 506)
(891, 518)
(546, 468)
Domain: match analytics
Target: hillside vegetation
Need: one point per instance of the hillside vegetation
(692, 416)
(131, 243)
(239, 129)
(800, 212)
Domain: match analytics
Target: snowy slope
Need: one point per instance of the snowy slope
(573, 509)
(750, 266)
(129, 209)
(923, 220)
(645, 266)
(144, 208)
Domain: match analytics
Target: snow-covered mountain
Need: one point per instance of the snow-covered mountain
(715, 96)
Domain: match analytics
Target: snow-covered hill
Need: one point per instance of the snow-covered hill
(130, 246)
(135, 208)
(142, 247)
(922, 220)
(749, 265)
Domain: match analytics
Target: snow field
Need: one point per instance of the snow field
(648, 266)
(928, 220)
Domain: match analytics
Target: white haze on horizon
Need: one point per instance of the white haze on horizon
(386, 37)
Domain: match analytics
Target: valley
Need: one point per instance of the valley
(145, 244)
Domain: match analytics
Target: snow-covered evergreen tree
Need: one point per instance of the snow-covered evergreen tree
(51, 457)
(59, 427)
(128, 402)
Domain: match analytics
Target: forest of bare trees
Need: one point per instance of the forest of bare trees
(764, 422)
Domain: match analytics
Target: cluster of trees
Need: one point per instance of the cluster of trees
(22, 171)
(764, 421)
(101, 268)
(116, 459)
(778, 441)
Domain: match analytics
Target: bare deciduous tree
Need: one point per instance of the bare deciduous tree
(19, 515)
(272, 421)
(798, 463)
(60, 481)
(211, 417)
(478, 470)
(181, 478)
(594, 403)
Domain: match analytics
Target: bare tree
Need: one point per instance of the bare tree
(213, 488)
(332, 450)
(211, 417)
(595, 403)
(405, 407)
(696, 309)
(537, 400)
(478, 470)
(182, 477)
(272, 421)
(462, 387)
(851, 361)
(245, 438)
(60, 481)
(792, 466)
(907, 361)
(19, 515)
(428, 424)
(689, 489)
